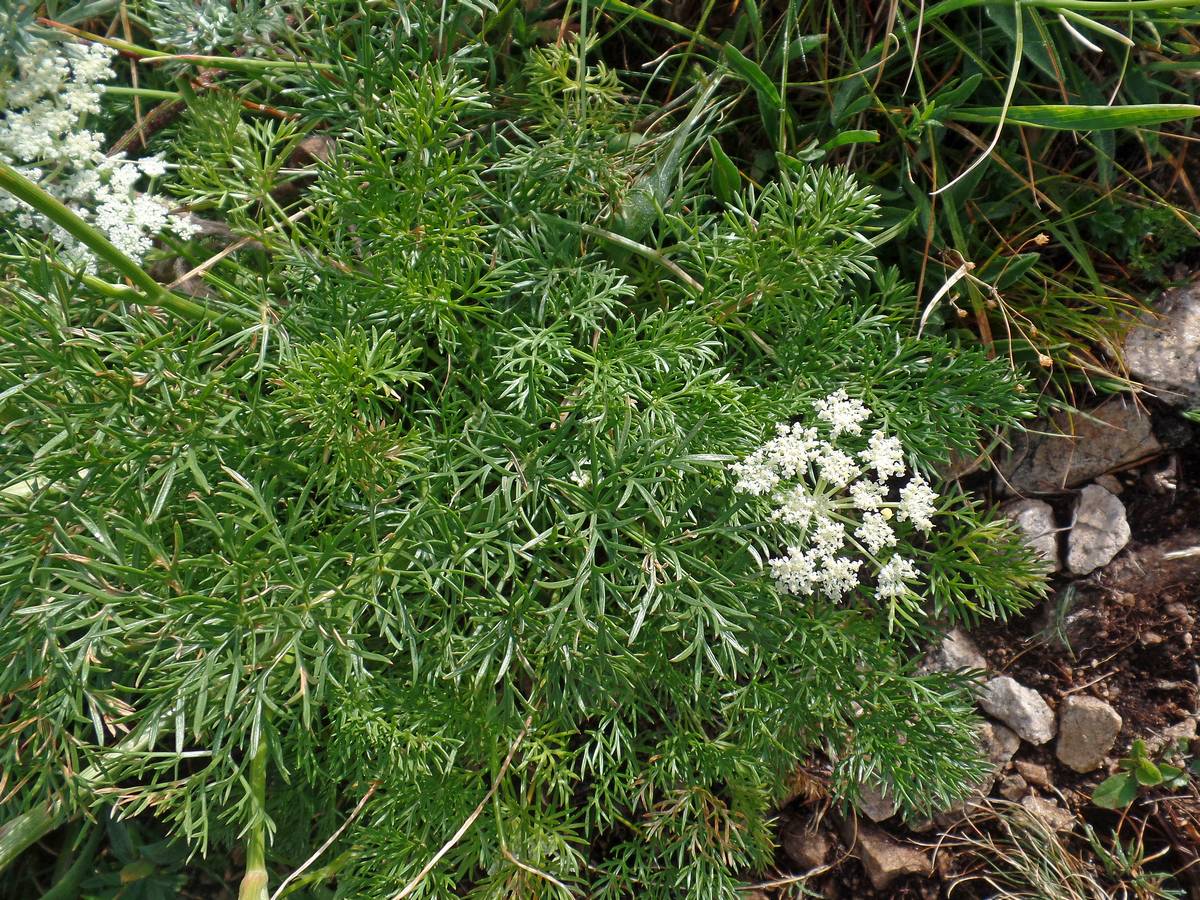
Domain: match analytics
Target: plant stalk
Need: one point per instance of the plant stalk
(229, 63)
(67, 886)
(148, 93)
(60, 214)
(254, 882)
(18, 834)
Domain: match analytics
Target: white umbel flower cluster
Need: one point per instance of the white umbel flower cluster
(852, 501)
(43, 136)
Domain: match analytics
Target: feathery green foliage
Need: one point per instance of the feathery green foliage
(441, 512)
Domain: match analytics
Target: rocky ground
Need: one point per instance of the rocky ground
(1111, 498)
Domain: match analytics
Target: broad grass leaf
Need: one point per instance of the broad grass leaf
(1063, 117)
(853, 136)
(725, 177)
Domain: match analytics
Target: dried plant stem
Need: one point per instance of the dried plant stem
(470, 820)
(328, 842)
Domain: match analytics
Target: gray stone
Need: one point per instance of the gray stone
(1035, 519)
(1087, 729)
(1064, 452)
(1020, 708)
(1100, 530)
(955, 651)
(1013, 787)
(873, 803)
(806, 847)
(1163, 352)
(885, 859)
(1051, 814)
(999, 744)
(1035, 773)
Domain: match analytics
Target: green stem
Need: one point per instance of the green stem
(148, 93)
(316, 876)
(67, 886)
(17, 835)
(1083, 6)
(638, 12)
(254, 882)
(230, 63)
(245, 64)
(60, 214)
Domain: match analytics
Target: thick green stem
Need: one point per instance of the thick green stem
(148, 93)
(67, 886)
(254, 882)
(18, 834)
(60, 214)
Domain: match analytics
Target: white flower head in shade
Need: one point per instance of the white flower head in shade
(875, 532)
(582, 476)
(839, 576)
(836, 467)
(893, 576)
(833, 484)
(867, 495)
(918, 503)
(795, 573)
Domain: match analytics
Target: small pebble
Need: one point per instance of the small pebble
(1177, 610)
(1150, 638)
(1034, 773)
(1014, 787)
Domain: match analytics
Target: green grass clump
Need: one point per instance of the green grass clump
(422, 540)
(1030, 155)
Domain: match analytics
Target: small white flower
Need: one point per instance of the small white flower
(829, 536)
(42, 112)
(892, 576)
(792, 450)
(839, 576)
(795, 506)
(867, 495)
(582, 476)
(917, 503)
(829, 488)
(152, 166)
(795, 573)
(755, 475)
(836, 467)
(875, 533)
(884, 454)
(844, 413)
